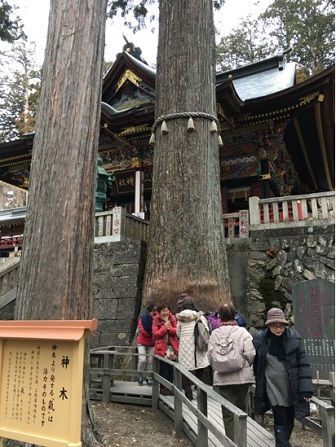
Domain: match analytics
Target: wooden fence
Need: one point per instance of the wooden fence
(116, 225)
(9, 274)
(278, 212)
(110, 363)
(310, 208)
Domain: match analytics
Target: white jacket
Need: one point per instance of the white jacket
(185, 332)
(244, 339)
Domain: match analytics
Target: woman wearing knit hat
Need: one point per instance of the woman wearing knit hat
(283, 375)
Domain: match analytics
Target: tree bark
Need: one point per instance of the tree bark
(56, 264)
(186, 251)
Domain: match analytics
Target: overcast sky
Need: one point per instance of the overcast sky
(35, 13)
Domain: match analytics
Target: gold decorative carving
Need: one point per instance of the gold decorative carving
(134, 104)
(265, 176)
(307, 99)
(136, 162)
(128, 75)
(136, 129)
(17, 157)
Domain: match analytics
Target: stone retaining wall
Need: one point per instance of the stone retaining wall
(117, 287)
(276, 262)
(263, 270)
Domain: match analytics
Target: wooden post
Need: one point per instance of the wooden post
(202, 431)
(156, 385)
(178, 413)
(106, 381)
(332, 382)
(240, 430)
(327, 413)
(265, 178)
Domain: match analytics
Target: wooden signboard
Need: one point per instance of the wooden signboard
(314, 318)
(41, 379)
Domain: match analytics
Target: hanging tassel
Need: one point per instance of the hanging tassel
(190, 125)
(220, 141)
(152, 139)
(164, 128)
(213, 127)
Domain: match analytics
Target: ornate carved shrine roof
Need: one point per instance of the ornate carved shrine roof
(261, 109)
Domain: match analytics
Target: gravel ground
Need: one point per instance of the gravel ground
(132, 425)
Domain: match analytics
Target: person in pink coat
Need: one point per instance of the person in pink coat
(166, 343)
(145, 343)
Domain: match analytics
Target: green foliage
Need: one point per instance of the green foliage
(10, 27)
(305, 25)
(106, 66)
(246, 44)
(139, 11)
(19, 92)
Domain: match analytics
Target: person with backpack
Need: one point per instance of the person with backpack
(240, 319)
(193, 345)
(283, 375)
(214, 320)
(231, 354)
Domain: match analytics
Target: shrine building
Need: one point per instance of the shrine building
(278, 135)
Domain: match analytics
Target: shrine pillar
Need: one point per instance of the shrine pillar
(265, 175)
(139, 194)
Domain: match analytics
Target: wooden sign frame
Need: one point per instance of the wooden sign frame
(41, 381)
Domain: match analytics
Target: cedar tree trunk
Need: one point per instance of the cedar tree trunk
(56, 264)
(186, 252)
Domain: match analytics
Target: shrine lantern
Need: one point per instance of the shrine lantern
(104, 181)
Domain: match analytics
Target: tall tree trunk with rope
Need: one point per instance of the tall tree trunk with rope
(56, 265)
(186, 252)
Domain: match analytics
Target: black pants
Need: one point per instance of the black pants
(236, 394)
(167, 371)
(283, 415)
(203, 374)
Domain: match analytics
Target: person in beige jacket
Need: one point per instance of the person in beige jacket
(234, 385)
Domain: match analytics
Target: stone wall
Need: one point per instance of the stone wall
(278, 259)
(238, 257)
(263, 270)
(117, 287)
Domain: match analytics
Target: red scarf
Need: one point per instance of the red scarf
(228, 323)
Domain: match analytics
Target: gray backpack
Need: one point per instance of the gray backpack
(227, 356)
(202, 335)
